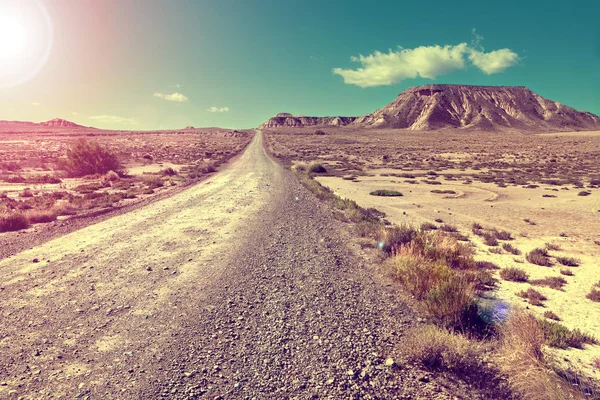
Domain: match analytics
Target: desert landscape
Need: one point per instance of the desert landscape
(279, 200)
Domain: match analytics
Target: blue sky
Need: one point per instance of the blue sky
(150, 64)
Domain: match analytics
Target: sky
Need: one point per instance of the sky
(167, 64)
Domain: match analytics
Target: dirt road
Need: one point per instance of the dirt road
(239, 287)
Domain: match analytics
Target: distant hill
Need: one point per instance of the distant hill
(487, 108)
(63, 123)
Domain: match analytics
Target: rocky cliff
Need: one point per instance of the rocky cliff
(489, 108)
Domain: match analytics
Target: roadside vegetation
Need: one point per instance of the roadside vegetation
(444, 280)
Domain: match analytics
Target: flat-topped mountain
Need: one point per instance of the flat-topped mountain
(437, 106)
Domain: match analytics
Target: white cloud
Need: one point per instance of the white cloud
(425, 61)
(214, 109)
(495, 61)
(113, 119)
(177, 97)
(36, 104)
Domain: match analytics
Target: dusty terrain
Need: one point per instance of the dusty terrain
(237, 287)
(155, 164)
(528, 185)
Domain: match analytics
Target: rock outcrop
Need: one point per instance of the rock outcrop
(62, 123)
(486, 108)
(289, 120)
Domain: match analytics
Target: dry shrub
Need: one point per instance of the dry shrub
(439, 349)
(514, 274)
(40, 216)
(594, 295)
(539, 257)
(555, 282)
(85, 158)
(525, 365)
(436, 246)
(10, 222)
(533, 296)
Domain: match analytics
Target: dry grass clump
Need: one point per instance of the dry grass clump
(551, 315)
(40, 216)
(511, 249)
(539, 256)
(486, 265)
(566, 271)
(594, 294)
(514, 274)
(561, 337)
(552, 246)
(10, 222)
(568, 261)
(439, 349)
(525, 365)
(534, 297)
(428, 226)
(554, 282)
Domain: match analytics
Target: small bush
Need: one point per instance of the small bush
(448, 228)
(10, 222)
(584, 193)
(320, 132)
(594, 295)
(486, 265)
(490, 239)
(554, 282)
(40, 216)
(561, 337)
(566, 272)
(551, 315)
(438, 191)
(316, 168)
(514, 274)
(438, 349)
(568, 261)
(168, 172)
(495, 250)
(85, 158)
(539, 257)
(428, 226)
(26, 193)
(533, 296)
(511, 249)
(502, 235)
(111, 176)
(383, 192)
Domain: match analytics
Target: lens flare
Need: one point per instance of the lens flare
(26, 37)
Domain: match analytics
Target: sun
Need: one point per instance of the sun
(13, 38)
(26, 38)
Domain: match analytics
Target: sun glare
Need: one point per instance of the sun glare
(12, 38)
(26, 37)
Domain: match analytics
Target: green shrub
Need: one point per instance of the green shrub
(85, 158)
(384, 192)
(561, 337)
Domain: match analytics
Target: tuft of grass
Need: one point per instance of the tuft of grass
(40, 216)
(511, 249)
(551, 315)
(316, 168)
(428, 226)
(438, 191)
(486, 265)
(449, 228)
(10, 222)
(552, 246)
(502, 235)
(594, 295)
(566, 272)
(439, 349)
(568, 261)
(534, 297)
(521, 359)
(495, 250)
(539, 256)
(489, 239)
(385, 192)
(554, 282)
(514, 274)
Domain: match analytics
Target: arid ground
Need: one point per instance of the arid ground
(241, 286)
(543, 189)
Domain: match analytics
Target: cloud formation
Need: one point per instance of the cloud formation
(429, 62)
(214, 109)
(177, 97)
(113, 119)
